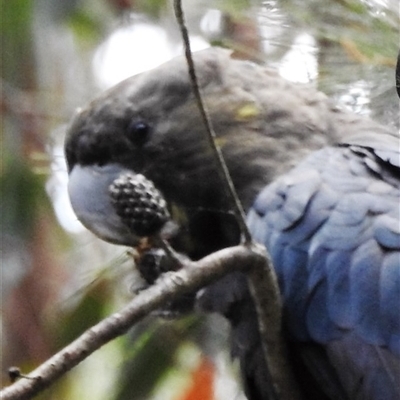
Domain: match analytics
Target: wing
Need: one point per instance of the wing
(332, 226)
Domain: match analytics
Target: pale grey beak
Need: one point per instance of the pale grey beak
(88, 189)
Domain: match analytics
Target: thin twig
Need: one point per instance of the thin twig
(194, 276)
(227, 180)
(261, 276)
(265, 293)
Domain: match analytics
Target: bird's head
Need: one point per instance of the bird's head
(150, 124)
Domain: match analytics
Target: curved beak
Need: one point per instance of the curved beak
(88, 189)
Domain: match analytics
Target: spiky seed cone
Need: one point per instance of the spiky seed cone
(139, 204)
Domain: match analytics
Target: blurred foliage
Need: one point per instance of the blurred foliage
(153, 8)
(47, 54)
(21, 192)
(152, 355)
(92, 307)
(234, 8)
(202, 382)
(15, 38)
(372, 32)
(85, 26)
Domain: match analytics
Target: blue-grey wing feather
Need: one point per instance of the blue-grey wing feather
(332, 226)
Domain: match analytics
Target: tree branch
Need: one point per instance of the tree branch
(262, 278)
(192, 277)
(226, 177)
(265, 292)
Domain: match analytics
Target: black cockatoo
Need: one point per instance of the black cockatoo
(321, 188)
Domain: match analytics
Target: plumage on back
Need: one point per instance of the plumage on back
(332, 227)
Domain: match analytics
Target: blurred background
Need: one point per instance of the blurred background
(56, 278)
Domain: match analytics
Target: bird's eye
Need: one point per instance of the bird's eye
(138, 132)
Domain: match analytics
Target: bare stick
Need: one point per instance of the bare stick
(262, 279)
(194, 276)
(227, 180)
(266, 296)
